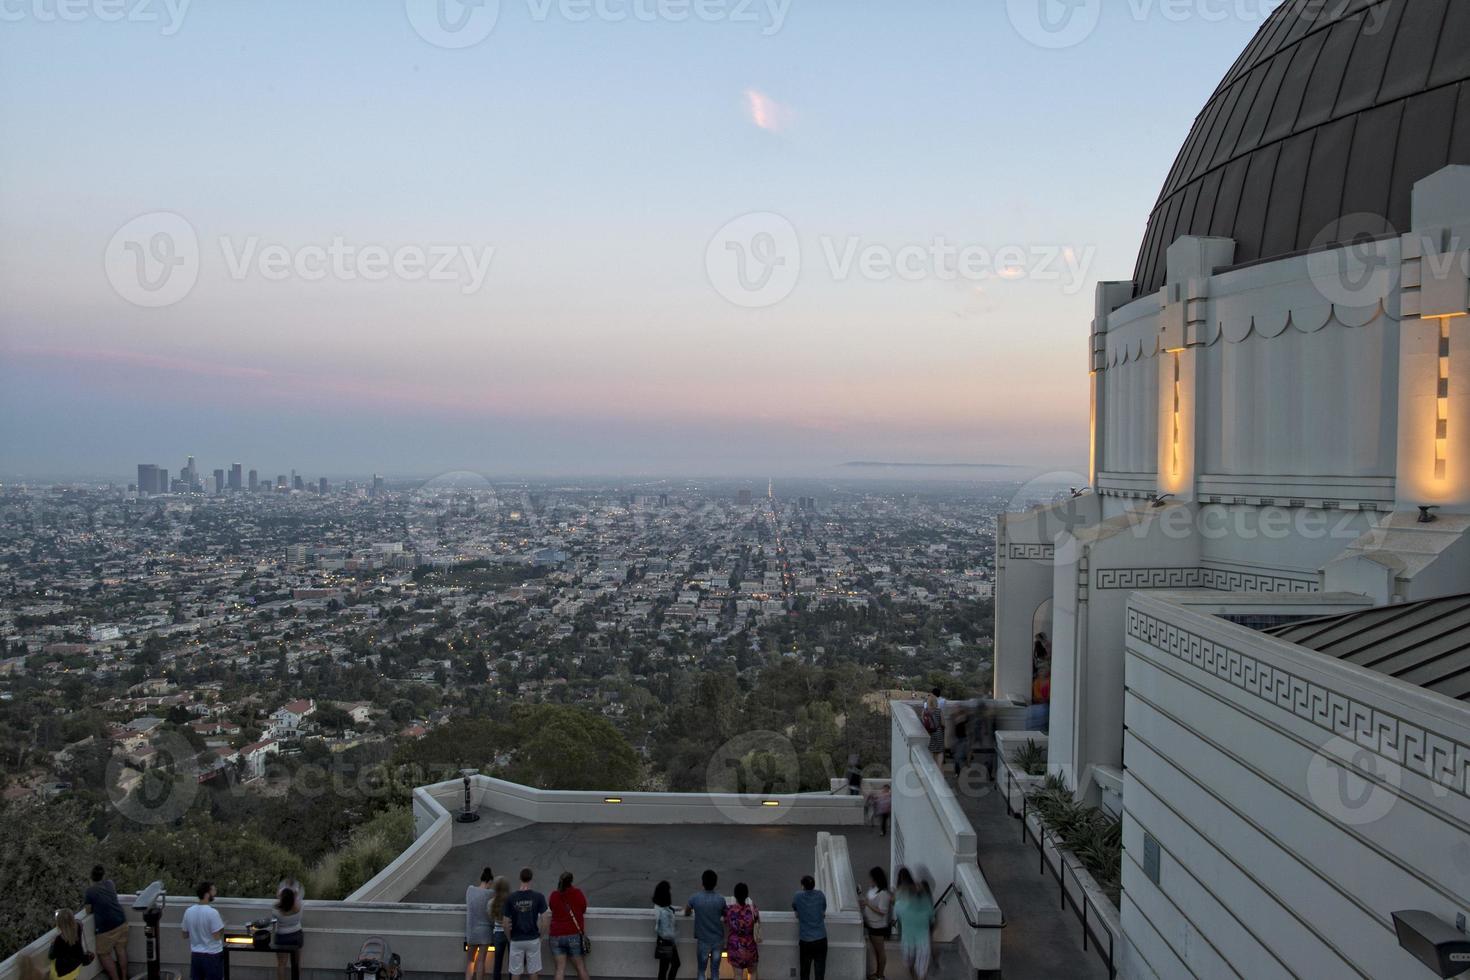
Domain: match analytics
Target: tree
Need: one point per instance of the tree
(45, 853)
(568, 748)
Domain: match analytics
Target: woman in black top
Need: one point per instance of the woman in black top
(68, 955)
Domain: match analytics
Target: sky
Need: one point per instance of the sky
(692, 237)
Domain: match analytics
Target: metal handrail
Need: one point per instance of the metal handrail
(1059, 873)
(951, 890)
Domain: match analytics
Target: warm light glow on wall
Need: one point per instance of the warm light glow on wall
(1177, 396)
(1442, 423)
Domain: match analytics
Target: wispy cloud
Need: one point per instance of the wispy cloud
(766, 112)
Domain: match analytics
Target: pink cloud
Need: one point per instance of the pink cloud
(766, 112)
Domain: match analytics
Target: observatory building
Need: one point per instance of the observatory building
(1260, 641)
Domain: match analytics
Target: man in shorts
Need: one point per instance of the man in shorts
(525, 914)
(109, 923)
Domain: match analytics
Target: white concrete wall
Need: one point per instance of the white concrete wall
(930, 833)
(430, 939)
(1297, 802)
(434, 808)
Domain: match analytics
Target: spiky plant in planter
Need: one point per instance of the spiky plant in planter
(1030, 758)
(1086, 831)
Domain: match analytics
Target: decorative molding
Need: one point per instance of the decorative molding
(1442, 760)
(1031, 552)
(1146, 578)
(1222, 580)
(1215, 579)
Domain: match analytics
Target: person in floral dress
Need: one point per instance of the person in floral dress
(742, 927)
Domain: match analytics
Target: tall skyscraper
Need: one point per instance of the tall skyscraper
(281, 483)
(377, 490)
(219, 481)
(321, 486)
(254, 480)
(151, 479)
(297, 483)
(234, 476)
(190, 475)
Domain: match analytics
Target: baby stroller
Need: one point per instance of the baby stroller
(375, 962)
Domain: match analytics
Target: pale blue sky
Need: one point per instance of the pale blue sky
(597, 160)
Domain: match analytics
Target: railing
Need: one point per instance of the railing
(1059, 872)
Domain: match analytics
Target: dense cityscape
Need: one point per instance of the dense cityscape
(332, 622)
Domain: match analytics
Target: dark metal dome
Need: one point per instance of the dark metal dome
(1333, 112)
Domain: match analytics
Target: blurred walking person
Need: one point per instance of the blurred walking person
(913, 907)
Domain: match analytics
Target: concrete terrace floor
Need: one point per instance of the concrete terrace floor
(1041, 942)
(617, 865)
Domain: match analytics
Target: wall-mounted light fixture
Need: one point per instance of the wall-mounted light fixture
(770, 802)
(612, 799)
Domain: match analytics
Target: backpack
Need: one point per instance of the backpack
(931, 725)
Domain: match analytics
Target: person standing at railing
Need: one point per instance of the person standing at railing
(288, 935)
(743, 934)
(877, 908)
(479, 926)
(665, 932)
(914, 909)
(109, 924)
(568, 927)
(708, 909)
(810, 906)
(68, 953)
(525, 914)
(206, 933)
(499, 895)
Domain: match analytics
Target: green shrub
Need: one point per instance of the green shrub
(1030, 758)
(1086, 831)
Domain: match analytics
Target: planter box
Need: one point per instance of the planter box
(1103, 921)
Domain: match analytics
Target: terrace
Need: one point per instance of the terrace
(620, 845)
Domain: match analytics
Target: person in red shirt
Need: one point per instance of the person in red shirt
(568, 925)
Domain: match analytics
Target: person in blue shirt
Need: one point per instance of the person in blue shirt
(524, 916)
(708, 909)
(810, 906)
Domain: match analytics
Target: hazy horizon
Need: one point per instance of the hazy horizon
(602, 196)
